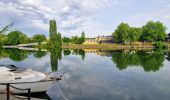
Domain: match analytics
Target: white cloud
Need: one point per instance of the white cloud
(74, 16)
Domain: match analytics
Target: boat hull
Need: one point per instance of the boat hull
(40, 86)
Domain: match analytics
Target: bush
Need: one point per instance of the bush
(160, 45)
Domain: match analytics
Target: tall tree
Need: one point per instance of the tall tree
(53, 30)
(55, 38)
(82, 37)
(154, 31)
(121, 33)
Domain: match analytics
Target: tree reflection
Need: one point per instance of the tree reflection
(66, 52)
(56, 54)
(79, 52)
(15, 54)
(168, 56)
(150, 61)
(40, 54)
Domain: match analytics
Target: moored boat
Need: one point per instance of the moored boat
(24, 79)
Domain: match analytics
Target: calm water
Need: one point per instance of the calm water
(99, 74)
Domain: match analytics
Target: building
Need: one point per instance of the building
(90, 41)
(99, 40)
(104, 39)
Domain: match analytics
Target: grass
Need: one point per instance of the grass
(109, 46)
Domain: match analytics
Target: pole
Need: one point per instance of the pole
(29, 94)
(8, 97)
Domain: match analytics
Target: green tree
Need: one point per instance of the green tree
(74, 39)
(55, 38)
(17, 37)
(121, 33)
(52, 30)
(134, 34)
(3, 39)
(78, 40)
(39, 38)
(66, 40)
(153, 31)
(82, 38)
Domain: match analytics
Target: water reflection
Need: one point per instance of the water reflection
(97, 74)
(149, 60)
(168, 56)
(56, 54)
(40, 54)
(14, 54)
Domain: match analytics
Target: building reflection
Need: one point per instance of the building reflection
(107, 53)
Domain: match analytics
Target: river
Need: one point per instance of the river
(99, 74)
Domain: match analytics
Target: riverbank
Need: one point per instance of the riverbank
(106, 46)
(137, 45)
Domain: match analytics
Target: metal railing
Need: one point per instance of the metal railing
(8, 91)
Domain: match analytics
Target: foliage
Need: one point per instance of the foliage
(40, 54)
(3, 39)
(16, 37)
(66, 52)
(55, 38)
(78, 40)
(66, 40)
(56, 54)
(39, 38)
(134, 34)
(80, 52)
(121, 33)
(153, 31)
(16, 54)
(159, 45)
(148, 61)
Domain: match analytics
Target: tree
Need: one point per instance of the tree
(121, 33)
(78, 40)
(134, 34)
(82, 37)
(39, 38)
(55, 38)
(66, 40)
(17, 37)
(74, 39)
(153, 31)
(52, 30)
(3, 39)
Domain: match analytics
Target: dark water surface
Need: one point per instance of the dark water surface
(100, 74)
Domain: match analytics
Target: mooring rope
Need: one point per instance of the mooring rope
(65, 98)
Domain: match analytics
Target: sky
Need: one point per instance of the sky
(94, 17)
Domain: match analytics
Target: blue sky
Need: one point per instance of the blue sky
(95, 17)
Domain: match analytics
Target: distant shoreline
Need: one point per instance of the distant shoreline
(106, 46)
(97, 46)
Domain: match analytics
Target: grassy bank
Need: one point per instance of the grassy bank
(108, 46)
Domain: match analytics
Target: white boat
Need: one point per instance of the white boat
(24, 79)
